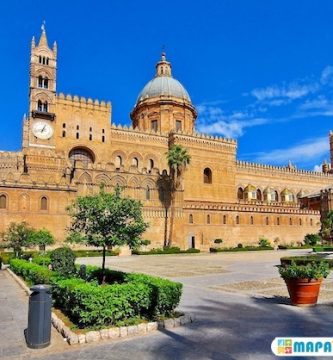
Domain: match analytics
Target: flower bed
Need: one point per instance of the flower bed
(124, 298)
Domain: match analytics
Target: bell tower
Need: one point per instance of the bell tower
(42, 93)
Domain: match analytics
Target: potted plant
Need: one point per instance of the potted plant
(303, 281)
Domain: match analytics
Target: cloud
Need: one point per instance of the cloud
(317, 168)
(279, 95)
(213, 120)
(327, 75)
(310, 150)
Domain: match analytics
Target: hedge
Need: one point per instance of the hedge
(89, 304)
(322, 248)
(304, 260)
(123, 297)
(245, 248)
(171, 250)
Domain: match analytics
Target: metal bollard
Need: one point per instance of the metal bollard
(38, 333)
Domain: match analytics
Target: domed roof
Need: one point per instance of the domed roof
(163, 84)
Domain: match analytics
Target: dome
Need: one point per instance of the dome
(164, 85)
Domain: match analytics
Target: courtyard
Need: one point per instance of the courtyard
(239, 302)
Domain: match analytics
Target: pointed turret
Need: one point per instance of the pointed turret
(55, 49)
(33, 43)
(43, 38)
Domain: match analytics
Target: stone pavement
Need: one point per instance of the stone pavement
(234, 319)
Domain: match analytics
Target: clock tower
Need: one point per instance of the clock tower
(39, 125)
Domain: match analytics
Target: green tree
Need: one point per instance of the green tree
(326, 230)
(312, 239)
(17, 236)
(106, 220)
(41, 238)
(178, 159)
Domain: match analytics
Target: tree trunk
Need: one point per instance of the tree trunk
(103, 266)
(166, 227)
(172, 215)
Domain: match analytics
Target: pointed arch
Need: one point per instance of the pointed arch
(118, 180)
(85, 178)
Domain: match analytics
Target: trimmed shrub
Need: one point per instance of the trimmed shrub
(218, 241)
(33, 273)
(6, 256)
(63, 261)
(312, 239)
(322, 248)
(42, 260)
(263, 242)
(235, 249)
(95, 253)
(166, 250)
(304, 260)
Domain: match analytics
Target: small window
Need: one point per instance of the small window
(278, 221)
(63, 133)
(45, 107)
(207, 176)
(135, 162)
(150, 164)
(267, 221)
(3, 201)
(311, 222)
(178, 125)
(148, 193)
(224, 219)
(40, 81)
(78, 135)
(154, 125)
(103, 131)
(90, 129)
(40, 59)
(190, 219)
(77, 127)
(47, 61)
(119, 162)
(237, 220)
(251, 220)
(43, 203)
(300, 222)
(103, 138)
(240, 194)
(90, 137)
(46, 83)
(64, 126)
(259, 195)
(39, 106)
(290, 221)
(208, 219)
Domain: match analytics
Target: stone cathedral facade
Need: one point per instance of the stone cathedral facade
(71, 146)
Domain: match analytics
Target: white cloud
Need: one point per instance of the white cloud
(280, 95)
(317, 168)
(310, 150)
(327, 75)
(213, 120)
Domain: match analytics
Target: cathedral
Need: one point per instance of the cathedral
(71, 147)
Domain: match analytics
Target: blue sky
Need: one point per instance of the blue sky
(258, 71)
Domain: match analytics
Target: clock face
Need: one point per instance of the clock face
(42, 130)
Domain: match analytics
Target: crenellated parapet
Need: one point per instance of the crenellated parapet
(83, 103)
(266, 208)
(10, 160)
(278, 170)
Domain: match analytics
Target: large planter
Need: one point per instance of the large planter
(303, 292)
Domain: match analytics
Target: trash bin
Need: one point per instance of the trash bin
(38, 333)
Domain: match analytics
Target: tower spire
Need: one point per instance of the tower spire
(43, 38)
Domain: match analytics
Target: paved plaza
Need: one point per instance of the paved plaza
(238, 299)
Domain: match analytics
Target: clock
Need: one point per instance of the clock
(42, 130)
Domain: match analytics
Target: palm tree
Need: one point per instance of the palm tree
(178, 158)
(326, 230)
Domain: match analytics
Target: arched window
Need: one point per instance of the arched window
(47, 61)
(276, 198)
(46, 83)
(240, 194)
(259, 195)
(40, 59)
(103, 138)
(150, 164)
(207, 176)
(45, 107)
(190, 219)
(267, 221)
(251, 220)
(90, 137)
(224, 219)
(3, 201)
(237, 220)
(135, 162)
(64, 133)
(43, 203)
(119, 162)
(148, 193)
(208, 219)
(40, 81)
(39, 106)
(81, 154)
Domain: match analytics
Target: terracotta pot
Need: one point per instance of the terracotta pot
(303, 292)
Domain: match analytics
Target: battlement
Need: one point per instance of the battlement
(9, 159)
(82, 102)
(281, 169)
